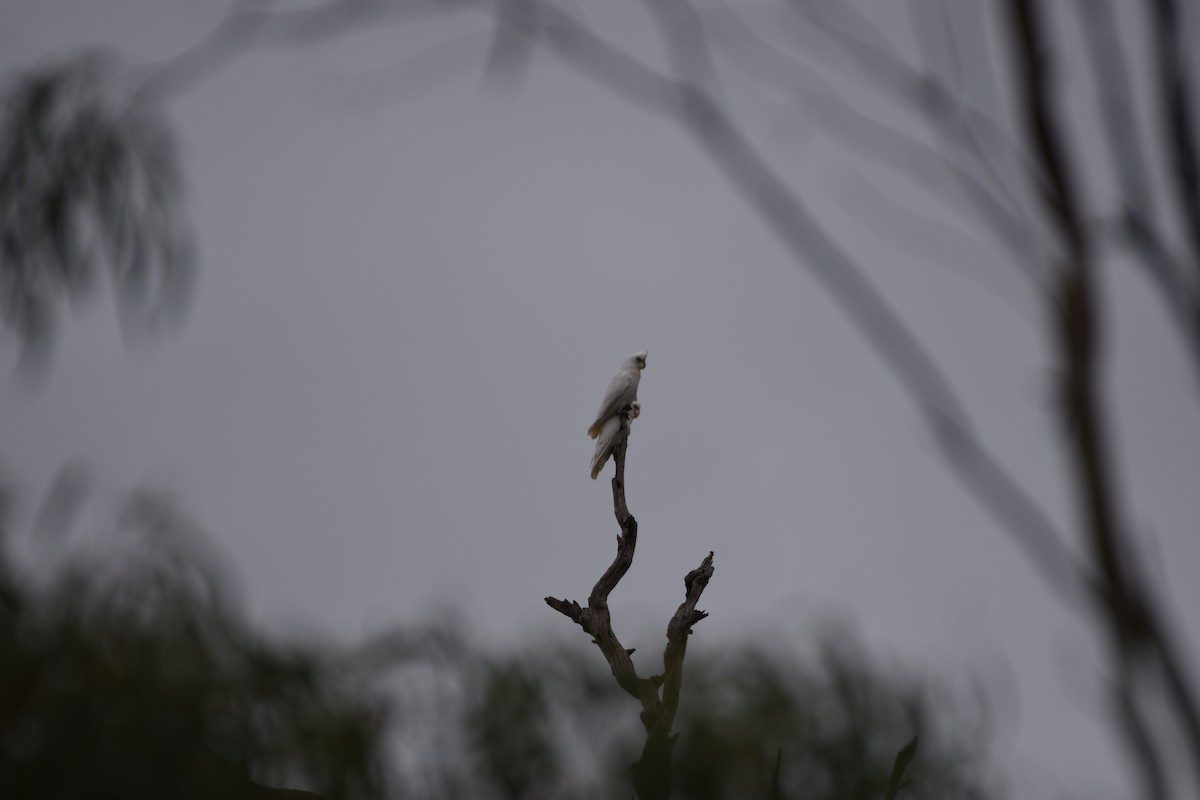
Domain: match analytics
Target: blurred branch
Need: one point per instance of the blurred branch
(960, 124)
(1182, 302)
(416, 72)
(776, 792)
(234, 32)
(255, 22)
(955, 120)
(1077, 327)
(889, 145)
(1126, 154)
(682, 34)
(1178, 117)
(511, 50)
(1137, 735)
(1135, 623)
(658, 694)
(1116, 103)
(924, 90)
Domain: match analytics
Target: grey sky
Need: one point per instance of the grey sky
(409, 309)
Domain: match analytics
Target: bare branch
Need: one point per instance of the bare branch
(1078, 312)
(959, 122)
(682, 34)
(1137, 734)
(1127, 156)
(1178, 118)
(1182, 302)
(652, 773)
(678, 631)
(252, 22)
(964, 124)
(658, 694)
(894, 148)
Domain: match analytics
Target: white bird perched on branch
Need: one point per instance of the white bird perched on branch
(608, 436)
(622, 391)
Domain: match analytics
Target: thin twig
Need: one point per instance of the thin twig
(956, 120)
(891, 146)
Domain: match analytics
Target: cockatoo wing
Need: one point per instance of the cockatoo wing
(609, 431)
(622, 391)
(604, 443)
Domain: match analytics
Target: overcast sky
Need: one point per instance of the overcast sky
(410, 305)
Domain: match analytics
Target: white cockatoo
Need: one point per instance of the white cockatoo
(622, 390)
(608, 436)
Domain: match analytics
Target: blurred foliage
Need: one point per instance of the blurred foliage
(838, 719)
(129, 671)
(89, 177)
(509, 730)
(131, 676)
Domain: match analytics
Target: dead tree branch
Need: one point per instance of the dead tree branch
(658, 694)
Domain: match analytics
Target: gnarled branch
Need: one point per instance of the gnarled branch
(658, 694)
